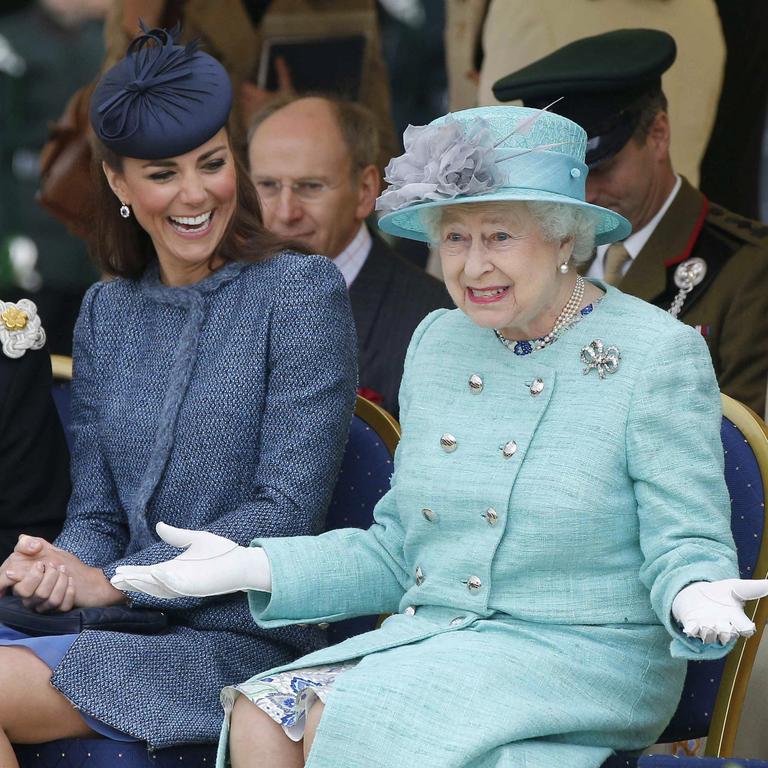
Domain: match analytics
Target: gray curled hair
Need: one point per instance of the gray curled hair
(556, 222)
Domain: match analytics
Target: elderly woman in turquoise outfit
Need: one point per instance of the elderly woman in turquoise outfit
(214, 381)
(555, 544)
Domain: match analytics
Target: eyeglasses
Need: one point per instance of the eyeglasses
(305, 189)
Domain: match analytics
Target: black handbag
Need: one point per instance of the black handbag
(112, 618)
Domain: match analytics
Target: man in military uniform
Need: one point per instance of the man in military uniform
(702, 263)
(34, 461)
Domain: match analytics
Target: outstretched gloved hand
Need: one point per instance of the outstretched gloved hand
(713, 610)
(210, 565)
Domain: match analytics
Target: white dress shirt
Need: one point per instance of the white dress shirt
(350, 261)
(635, 242)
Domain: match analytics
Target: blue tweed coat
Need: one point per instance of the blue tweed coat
(531, 588)
(222, 406)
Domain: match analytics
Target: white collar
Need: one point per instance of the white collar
(637, 240)
(351, 260)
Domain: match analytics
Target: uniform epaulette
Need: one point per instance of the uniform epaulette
(745, 229)
(20, 328)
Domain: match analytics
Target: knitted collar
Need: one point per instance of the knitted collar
(183, 296)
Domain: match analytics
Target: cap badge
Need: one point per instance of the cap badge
(603, 359)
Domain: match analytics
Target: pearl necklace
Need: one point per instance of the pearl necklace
(564, 321)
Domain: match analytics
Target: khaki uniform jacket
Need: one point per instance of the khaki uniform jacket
(730, 306)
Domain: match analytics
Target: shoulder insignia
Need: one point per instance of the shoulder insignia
(738, 226)
(20, 328)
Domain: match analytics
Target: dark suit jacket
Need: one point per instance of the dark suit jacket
(730, 306)
(34, 461)
(390, 297)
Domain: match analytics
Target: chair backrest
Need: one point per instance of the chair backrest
(363, 479)
(714, 691)
(62, 378)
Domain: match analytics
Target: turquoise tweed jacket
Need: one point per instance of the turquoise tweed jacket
(536, 562)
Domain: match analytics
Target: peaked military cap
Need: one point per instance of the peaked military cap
(161, 99)
(601, 82)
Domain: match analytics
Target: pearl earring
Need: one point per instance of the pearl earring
(125, 211)
(563, 268)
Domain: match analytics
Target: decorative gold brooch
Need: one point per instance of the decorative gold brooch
(14, 319)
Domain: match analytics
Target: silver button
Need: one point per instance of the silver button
(429, 514)
(475, 384)
(491, 516)
(419, 576)
(473, 583)
(509, 449)
(448, 443)
(455, 622)
(536, 387)
(409, 611)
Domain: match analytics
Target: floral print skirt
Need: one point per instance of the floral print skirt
(287, 696)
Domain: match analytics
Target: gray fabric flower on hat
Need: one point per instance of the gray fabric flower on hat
(441, 162)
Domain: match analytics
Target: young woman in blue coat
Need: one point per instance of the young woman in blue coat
(555, 544)
(214, 381)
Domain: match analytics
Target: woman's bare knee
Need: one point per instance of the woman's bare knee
(31, 709)
(257, 741)
(313, 720)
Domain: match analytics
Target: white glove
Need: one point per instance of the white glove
(712, 610)
(211, 565)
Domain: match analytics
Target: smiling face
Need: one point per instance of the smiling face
(500, 270)
(302, 171)
(184, 203)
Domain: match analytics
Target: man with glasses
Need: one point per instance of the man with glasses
(313, 162)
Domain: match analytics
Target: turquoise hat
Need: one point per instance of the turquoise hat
(487, 155)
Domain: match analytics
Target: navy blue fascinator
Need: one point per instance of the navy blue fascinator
(161, 99)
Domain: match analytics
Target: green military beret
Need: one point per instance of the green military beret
(602, 80)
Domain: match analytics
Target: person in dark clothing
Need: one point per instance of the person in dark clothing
(34, 460)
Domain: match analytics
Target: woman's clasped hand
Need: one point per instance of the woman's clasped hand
(51, 579)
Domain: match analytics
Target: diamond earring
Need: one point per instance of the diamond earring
(125, 211)
(563, 268)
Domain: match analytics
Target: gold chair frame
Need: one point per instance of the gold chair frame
(383, 423)
(61, 365)
(738, 666)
